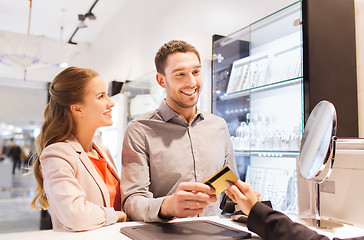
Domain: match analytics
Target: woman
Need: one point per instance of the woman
(77, 178)
(267, 223)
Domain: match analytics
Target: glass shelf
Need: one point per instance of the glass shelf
(263, 88)
(266, 153)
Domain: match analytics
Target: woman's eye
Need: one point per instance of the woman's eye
(101, 96)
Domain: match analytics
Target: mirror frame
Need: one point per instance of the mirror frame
(324, 171)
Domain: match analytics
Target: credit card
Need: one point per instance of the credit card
(217, 180)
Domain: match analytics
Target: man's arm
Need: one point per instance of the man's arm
(138, 201)
(229, 152)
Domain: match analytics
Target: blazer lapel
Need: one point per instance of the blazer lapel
(91, 169)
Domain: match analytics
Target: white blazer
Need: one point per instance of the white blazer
(78, 197)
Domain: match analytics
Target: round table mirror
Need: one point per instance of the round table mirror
(317, 152)
(317, 146)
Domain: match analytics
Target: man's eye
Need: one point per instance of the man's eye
(196, 72)
(180, 74)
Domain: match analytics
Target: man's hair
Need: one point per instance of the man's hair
(173, 46)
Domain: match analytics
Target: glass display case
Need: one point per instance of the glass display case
(135, 98)
(144, 95)
(257, 87)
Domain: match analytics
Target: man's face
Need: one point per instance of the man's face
(182, 80)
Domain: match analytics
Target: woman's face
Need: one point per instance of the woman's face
(96, 105)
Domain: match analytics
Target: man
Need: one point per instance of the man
(168, 153)
(14, 154)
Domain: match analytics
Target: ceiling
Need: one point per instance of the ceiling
(22, 102)
(47, 17)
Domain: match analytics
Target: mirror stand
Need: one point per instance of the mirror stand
(319, 167)
(317, 221)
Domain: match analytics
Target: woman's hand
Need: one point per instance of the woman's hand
(121, 216)
(242, 194)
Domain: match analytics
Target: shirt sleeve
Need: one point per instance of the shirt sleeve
(138, 202)
(229, 151)
(271, 224)
(66, 196)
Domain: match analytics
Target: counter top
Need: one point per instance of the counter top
(113, 231)
(108, 232)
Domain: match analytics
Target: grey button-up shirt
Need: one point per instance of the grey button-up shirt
(161, 150)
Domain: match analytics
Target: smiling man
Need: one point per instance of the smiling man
(168, 153)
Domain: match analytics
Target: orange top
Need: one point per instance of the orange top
(111, 181)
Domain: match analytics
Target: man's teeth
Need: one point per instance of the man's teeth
(189, 93)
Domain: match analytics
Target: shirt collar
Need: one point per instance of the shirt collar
(167, 113)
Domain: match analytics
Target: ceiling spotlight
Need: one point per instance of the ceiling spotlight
(81, 17)
(90, 16)
(63, 65)
(81, 24)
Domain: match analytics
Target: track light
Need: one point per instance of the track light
(82, 19)
(90, 16)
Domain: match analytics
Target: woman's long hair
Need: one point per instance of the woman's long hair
(67, 88)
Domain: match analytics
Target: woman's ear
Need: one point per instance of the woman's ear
(160, 80)
(76, 109)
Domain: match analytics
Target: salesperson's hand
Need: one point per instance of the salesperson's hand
(189, 199)
(121, 216)
(243, 194)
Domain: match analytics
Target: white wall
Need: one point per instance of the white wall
(126, 48)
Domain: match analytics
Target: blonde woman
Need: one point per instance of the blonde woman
(77, 179)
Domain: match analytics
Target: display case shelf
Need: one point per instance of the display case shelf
(264, 111)
(276, 85)
(257, 87)
(266, 153)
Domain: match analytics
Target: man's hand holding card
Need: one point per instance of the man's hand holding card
(191, 198)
